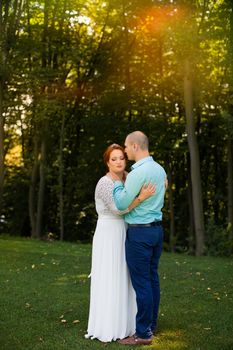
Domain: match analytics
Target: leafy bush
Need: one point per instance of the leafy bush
(218, 240)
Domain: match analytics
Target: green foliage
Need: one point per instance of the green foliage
(218, 239)
(15, 211)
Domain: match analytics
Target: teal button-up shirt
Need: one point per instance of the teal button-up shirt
(144, 171)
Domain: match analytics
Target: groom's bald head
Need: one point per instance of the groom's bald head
(138, 138)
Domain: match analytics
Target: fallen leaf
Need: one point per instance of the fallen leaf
(76, 321)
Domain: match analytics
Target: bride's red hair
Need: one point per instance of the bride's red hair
(109, 150)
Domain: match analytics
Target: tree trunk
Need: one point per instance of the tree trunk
(44, 63)
(8, 28)
(2, 170)
(230, 137)
(40, 202)
(127, 65)
(171, 211)
(191, 218)
(61, 189)
(2, 80)
(32, 192)
(230, 187)
(195, 163)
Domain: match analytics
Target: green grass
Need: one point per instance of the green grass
(45, 298)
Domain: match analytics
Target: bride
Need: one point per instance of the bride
(112, 298)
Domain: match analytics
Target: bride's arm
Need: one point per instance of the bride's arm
(104, 191)
(145, 192)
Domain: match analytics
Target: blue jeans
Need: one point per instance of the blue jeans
(143, 251)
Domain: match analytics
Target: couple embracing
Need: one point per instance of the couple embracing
(127, 245)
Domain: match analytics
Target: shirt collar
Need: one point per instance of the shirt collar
(141, 161)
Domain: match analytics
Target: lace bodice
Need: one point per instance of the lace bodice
(104, 201)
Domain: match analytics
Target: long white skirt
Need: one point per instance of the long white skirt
(112, 298)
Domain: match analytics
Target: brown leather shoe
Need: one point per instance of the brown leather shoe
(134, 340)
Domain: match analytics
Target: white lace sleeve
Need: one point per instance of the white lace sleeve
(104, 192)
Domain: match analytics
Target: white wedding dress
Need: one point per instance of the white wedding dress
(112, 298)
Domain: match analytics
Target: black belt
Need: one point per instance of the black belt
(154, 223)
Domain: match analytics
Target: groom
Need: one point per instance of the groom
(144, 234)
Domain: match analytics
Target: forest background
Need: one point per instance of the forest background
(76, 76)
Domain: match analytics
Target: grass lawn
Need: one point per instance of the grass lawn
(44, 299)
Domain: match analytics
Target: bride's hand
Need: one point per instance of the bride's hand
(147, 191)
